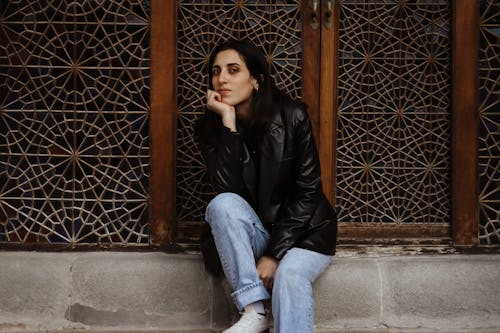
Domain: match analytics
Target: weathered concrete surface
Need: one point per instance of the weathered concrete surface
(444, 291)
(53, 291)
(348, 294)
(34, 290)
(149, 290)
(157, 291)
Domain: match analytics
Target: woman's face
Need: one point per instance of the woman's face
(232, 79)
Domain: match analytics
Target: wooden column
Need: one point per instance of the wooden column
(162, 121)
(311, 66)
(465, 104)
(328, 100)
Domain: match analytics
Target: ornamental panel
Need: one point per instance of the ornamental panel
(489, 123)
(394, 115)
(74, 121)
(275, 26)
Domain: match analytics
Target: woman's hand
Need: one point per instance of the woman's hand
(225, 111)
(266, 268)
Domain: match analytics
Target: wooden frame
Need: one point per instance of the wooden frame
(328, 95)
(465, 44)
(365, 231)
(320, 93)
(311, 64)
(163, 121)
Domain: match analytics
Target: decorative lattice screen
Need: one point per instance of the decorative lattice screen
(394, 124)
(489, 123)
(74, 112)
(276, 26)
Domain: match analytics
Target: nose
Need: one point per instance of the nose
(222, 77)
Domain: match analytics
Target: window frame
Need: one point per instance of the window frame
(320, 94)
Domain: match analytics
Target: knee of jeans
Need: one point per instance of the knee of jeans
(289, 277)
(221, 204)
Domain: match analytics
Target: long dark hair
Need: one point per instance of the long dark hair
(258, 66)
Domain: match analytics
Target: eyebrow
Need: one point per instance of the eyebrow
(229, 65)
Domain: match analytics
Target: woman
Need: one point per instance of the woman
(273, 228)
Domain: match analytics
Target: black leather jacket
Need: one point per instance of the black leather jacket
(290, 200)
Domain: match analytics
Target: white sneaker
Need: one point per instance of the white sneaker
(250, 322)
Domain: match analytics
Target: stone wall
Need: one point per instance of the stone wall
(123, 290)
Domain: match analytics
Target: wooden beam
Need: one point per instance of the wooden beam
(328, 102)
(363, 231)
(162, 121)
(310, 67)
(465, 105)
(354, 233)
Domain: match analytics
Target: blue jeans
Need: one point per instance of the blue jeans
(241, 239)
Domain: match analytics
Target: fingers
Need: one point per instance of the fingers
(268, 281)
(215, 104)
(213, 98)
(266, 269)
(225, 111)
(213, 95)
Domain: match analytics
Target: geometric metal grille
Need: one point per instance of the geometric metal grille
(394, 118)
(74, 113)
(489, 123)
(275, 26)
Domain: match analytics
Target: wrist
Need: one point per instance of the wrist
(229, 120)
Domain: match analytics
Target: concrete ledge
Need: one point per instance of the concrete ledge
(348, 294)
(451, 292)
(158, 291)
(139, 290)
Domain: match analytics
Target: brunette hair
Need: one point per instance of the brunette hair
(259, 69)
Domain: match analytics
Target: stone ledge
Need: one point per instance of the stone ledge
(271, 331)
(91, 291)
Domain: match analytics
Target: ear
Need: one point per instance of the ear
(254, 83)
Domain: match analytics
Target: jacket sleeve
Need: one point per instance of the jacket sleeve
(296, 212)
(222, 151)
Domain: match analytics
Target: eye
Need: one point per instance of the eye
(234, 70)
(215, 71)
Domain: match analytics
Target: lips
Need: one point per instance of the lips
(224, 91)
